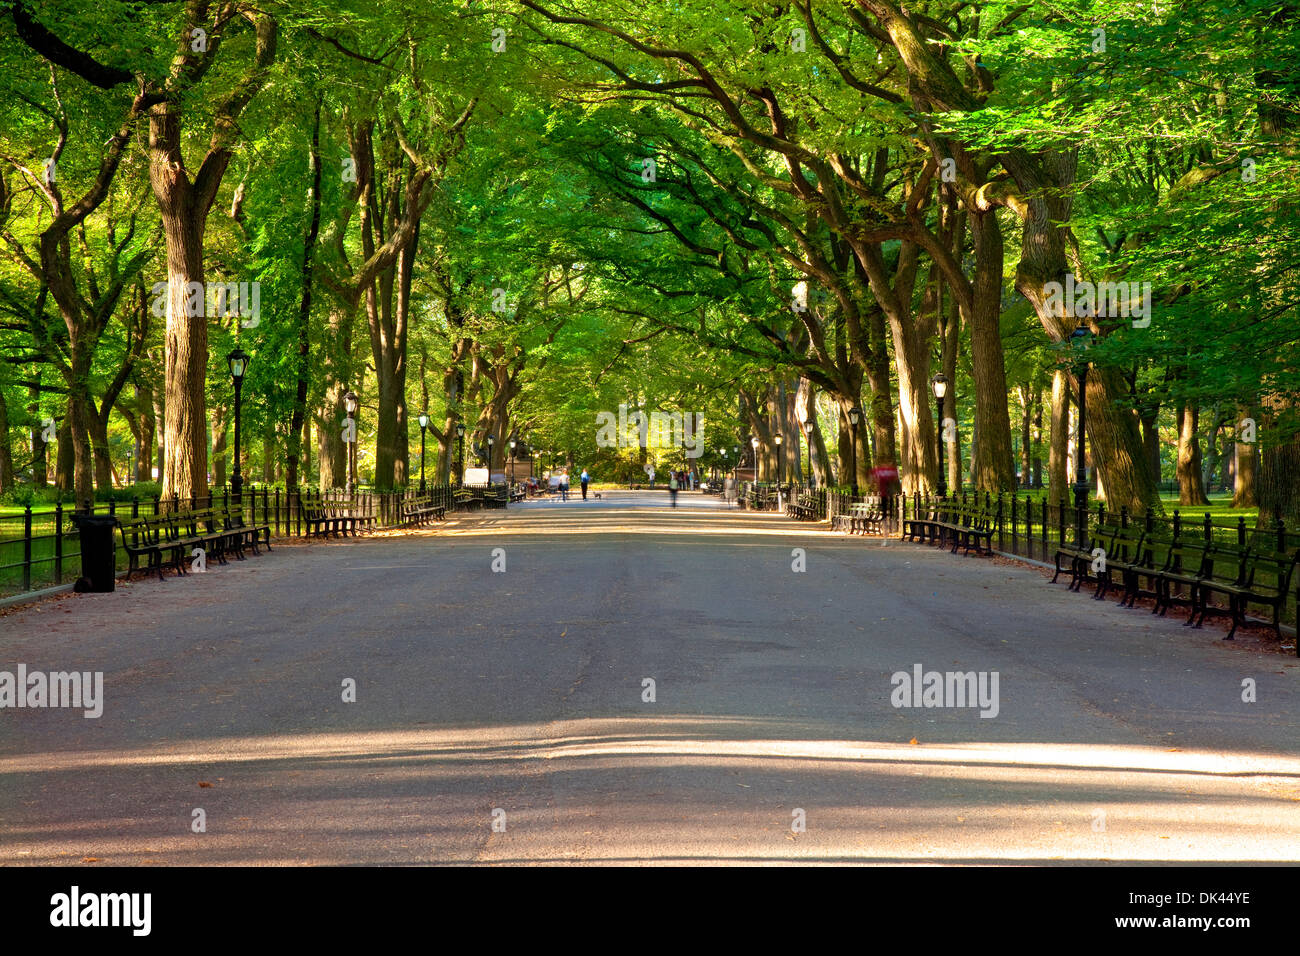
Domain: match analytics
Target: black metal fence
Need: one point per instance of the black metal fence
(42, 548)
(1035, 528)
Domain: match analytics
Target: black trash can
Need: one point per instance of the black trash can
(98, 555)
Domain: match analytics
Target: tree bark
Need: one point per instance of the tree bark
(296, 427)
(1058, 452)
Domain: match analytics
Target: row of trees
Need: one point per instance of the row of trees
(518, 215)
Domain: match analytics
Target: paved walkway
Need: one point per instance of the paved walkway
(520, 698)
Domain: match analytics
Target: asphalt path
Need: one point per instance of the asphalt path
(507, 716)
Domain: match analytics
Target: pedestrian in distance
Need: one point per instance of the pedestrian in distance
(564, 487)
(672, 488)
(585, 479)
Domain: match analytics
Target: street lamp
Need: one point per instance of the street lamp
(491, 440)
(754, 443)
(460, 453)
(510, 479)
(238, 362)
(940, 385)
(807, 431)
(424, 423)
(1080, 342)
(350, 406)
(855, 414)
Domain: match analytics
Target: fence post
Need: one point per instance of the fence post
(1241, 531)
(27, 548)
(277, 511)
(1209, 529)
(1281, 536)
(1178, 524)
(58, 542)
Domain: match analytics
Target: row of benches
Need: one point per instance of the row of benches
(1243, 574)
(955, 523)
(172, 537)
(491, 496)
(863, 517)
(418, 511)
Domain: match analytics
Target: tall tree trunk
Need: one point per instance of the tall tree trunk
(97, 429)
(1190, 489)
(6, 449)
(994, 461)
(65, 460)
(296, 427)
(1038, 437)
(40, 455)
(1026, 435)
(1058, 481)
(1149, 415)
(145, 416)
(1246, 466)
(185, 440)
(219, 445)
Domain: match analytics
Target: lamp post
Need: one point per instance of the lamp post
(1080, 341)
(510, 478)
(424, 423)
(350, 406)
(807, 431)
(460, 453)
(754, 444)
(238, 362)
(491, 440)
(940, 385)
(855, 414)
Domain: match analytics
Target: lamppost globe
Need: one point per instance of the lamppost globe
(238, 362)
(423, 420)
(940, 385)
(350, 402)
(460, 431)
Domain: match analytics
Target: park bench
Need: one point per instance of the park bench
(1185, 566)
(244, 533)
(1265, 579)
(171, 537)
(418, 511)
(1227, 570)
(348, 520)
(1079, 557)
(925, 526)
(1122, 552)
(968, 525)
(518, 494)
(802, 509)
(862, 517)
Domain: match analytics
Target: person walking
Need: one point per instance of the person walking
(672, 488)
(585, 479)
(564, 487)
